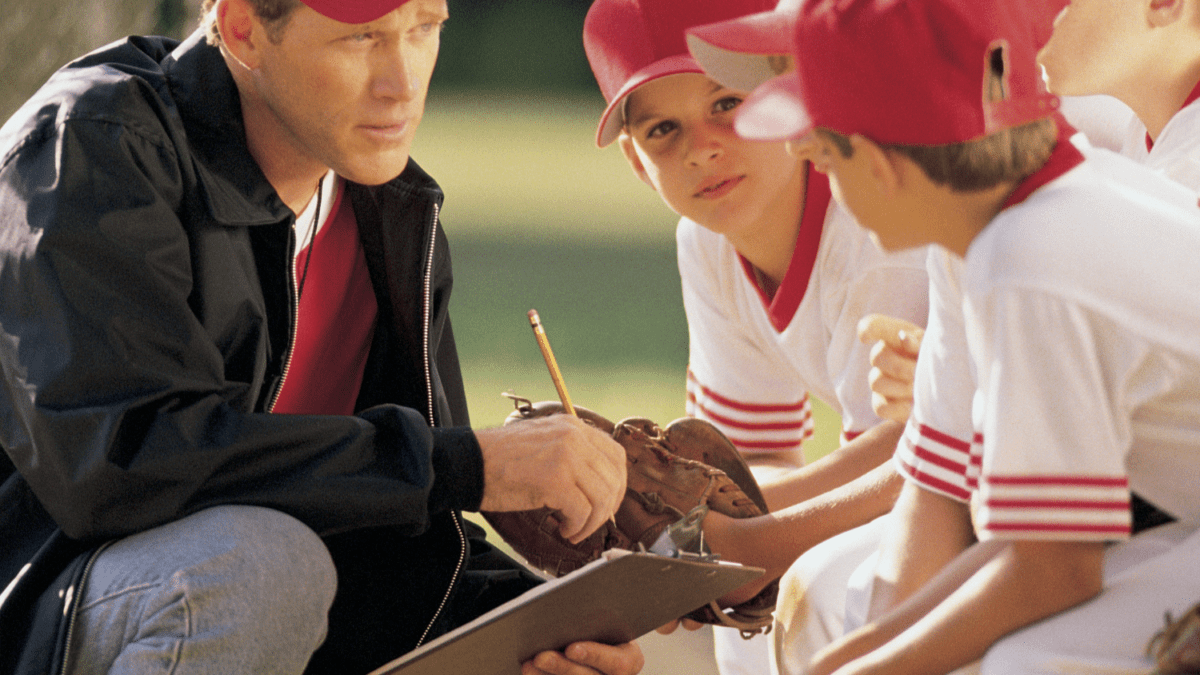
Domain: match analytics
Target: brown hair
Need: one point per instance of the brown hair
(273, 13)
(979, 164)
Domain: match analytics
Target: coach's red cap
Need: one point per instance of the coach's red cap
(354, 11)
(912, 72)
(632, 42)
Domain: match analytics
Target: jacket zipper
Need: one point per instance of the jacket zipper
(294, 306)
(72, 608)
(462, 540)
(428, 305)
(427, 291)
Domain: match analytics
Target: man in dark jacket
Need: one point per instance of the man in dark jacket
(232, 414)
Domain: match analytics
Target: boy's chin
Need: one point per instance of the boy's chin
(892, 246)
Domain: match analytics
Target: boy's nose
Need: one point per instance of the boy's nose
(705, 146)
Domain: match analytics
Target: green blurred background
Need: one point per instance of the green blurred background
(538, 217)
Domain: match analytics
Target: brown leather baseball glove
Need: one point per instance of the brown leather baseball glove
(1176, 648)
(675, 475)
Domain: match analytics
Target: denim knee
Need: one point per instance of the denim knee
(228, 589)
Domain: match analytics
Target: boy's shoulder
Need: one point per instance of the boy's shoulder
(1101, 225)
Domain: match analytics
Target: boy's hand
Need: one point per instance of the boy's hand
(893, 363)
(588, 658)
(557, 462)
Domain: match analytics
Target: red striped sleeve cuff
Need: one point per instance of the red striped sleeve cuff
(753, 427)
(1055, 507)
(936, 461)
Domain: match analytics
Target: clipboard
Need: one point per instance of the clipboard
(615, 599)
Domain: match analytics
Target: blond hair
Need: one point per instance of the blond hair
(273, 13)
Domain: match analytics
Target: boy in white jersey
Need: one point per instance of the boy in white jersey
(1088, 380)
(1078, 61)
(775, 278)
(1145, 53)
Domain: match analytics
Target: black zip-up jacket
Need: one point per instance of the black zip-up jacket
(146, 302)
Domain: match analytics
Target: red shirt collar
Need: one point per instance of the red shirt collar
(782, 307)
(1064, 158)
(1192, 97)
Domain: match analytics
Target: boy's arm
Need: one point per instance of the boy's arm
(929, 531)
(775, 540)
(948, 625)
(851, 461)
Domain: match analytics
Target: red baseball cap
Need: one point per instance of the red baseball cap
(1048, 14)
(354, 11)
(912, 72)
(632, 42)
(736, 53)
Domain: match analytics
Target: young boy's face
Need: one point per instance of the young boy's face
(896, 222)
(1094, 47)
(679, 138)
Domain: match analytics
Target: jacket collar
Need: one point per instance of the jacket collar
(234, 186)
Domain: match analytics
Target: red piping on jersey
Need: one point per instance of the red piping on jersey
(752, 426)
(943, 438)
(766, 445)
(1192, 98)
(1058, 527)
(783, 306)
(1108, 504)
(931, 457)
(1064, 158)
(926, 479)
(745, 407)
(1065, 481)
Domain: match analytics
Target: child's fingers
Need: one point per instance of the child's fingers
(896, 333)
(896, 410)
(896, 364)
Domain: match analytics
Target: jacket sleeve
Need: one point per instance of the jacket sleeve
(115, 405)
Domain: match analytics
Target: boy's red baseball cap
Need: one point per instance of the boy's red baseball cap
(632, 42)
(910, 72)
(354, 11)
(736, 53)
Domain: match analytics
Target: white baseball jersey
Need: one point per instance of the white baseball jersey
(1080, 315)
(1176, 153)
(1103, 119)
(753, 360)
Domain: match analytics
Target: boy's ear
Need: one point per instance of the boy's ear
(631, 156)
(239, 28)
(1161, 13)
(883, 165)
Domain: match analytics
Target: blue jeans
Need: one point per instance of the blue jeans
(231, 589)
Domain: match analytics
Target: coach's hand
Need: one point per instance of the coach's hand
(588, 658)
(893, 363)
(557, 462)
